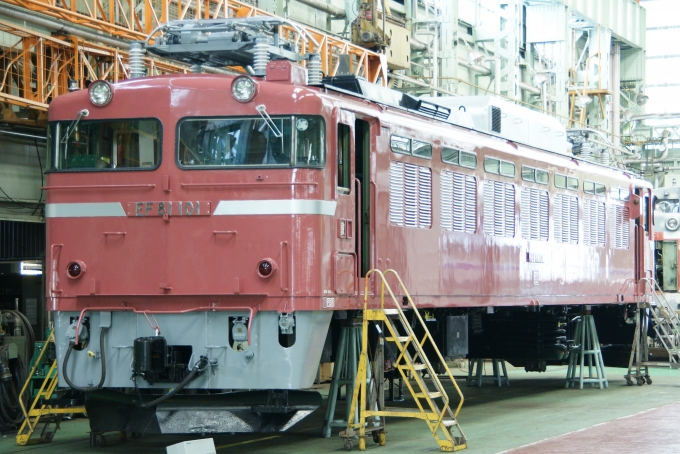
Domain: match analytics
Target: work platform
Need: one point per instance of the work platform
(535, 409)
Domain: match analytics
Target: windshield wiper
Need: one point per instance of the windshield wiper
(267, 119)
(74, 124)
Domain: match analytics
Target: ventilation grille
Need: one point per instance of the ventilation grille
(495, 119)
(619, 221)
(534, 216)
(458, 202)
(22, 240)
(410, 195)
(566, 219)
(499, 208)
(593, 223)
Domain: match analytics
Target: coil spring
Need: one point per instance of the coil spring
(604, 158)
(314, 70)
(136, 54)
(261, 57)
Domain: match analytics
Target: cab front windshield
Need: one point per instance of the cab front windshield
(122, 144)
(297, 141)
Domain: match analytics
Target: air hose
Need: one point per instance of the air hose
(197, 370)
(101, 381)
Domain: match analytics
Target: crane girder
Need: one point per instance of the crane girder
(37, 67)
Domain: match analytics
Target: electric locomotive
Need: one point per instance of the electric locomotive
(205, 229)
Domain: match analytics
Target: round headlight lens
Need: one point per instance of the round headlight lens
(672, 224)
(243, 88)
(100, 93)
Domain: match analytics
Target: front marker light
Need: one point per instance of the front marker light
(75, 269)
(243, 88)
(266, 268)
(100, 93)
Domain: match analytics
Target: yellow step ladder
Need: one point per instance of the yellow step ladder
(431, 398)
(46, 414)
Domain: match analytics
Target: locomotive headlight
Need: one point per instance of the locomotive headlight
(672, 224)
(75, 269)
(100, 93)
(266, 268)
(243, 88)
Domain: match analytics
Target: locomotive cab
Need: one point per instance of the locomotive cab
(187, 239)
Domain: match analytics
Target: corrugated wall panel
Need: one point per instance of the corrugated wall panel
(22, 240)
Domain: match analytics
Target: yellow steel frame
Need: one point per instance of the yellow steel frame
(123, 19)
(427, 409)
(32, 415)
(37, 67)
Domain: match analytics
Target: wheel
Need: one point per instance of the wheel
(348, 444)
(640, 381)
(376, 436)
(648, 379)
(362, 444)
(136, 435)
(629, 382)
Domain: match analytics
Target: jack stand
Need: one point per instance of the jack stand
(476, 377)
(585, 335)
(344, 374)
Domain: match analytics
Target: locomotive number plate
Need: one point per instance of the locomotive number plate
(177, 208)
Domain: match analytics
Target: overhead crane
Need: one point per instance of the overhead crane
(38, 67)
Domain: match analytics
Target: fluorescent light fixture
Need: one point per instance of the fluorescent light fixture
(30, 268)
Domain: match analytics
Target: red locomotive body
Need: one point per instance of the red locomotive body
(237, 227)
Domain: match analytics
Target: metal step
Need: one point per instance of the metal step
(430, 394)
(401, 339)
(413, 367)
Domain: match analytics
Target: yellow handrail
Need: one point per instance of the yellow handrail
(28, 379)
(385, 285)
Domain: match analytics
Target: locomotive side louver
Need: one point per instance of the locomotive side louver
(458, 202)
(593, 223)
(499, 208)
(619, 219)
(566, 219)
(410, 195)
(495, 119)
(534, 220)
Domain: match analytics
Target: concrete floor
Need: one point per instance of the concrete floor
(532, 411)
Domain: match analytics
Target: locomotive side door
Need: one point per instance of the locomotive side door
(362, 206)
(354, 171)
(644, 246)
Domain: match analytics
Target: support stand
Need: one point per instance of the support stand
(476, 377)
(344, 374)
(588, 351)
